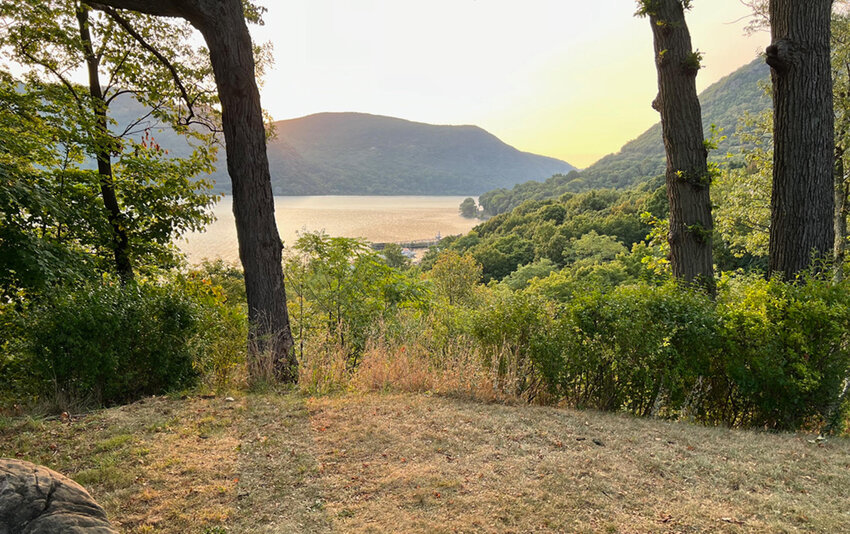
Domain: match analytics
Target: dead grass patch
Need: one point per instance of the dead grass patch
(278, 489)
(156, 466)
(280, 463)
(417, 463)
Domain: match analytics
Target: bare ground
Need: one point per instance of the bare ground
(421, 463)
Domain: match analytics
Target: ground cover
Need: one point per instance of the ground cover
(423, 463)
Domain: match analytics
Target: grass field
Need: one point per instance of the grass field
(420, 463)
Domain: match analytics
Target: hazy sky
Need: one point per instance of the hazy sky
(564, 78)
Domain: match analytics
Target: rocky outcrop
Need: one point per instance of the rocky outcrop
(36, 500)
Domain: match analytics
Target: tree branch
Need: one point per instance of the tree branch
(124, 23)
(160, 8)
(111, 83)
(62, 79)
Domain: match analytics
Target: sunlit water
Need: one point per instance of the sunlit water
(374, 218)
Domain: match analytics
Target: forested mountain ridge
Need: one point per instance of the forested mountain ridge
(356, 153)
(723, 105)
(362, 154)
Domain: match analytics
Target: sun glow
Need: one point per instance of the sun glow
(573, 80)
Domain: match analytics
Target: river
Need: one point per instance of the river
(374, 218)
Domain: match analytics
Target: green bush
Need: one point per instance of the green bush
(766, 354)
(787, 350)
(510, 327)
(639, 348)
(106, 343)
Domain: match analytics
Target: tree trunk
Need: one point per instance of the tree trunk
(802, 202)
(232, 56)
(688, 178)
(223, 26)
(102, 146)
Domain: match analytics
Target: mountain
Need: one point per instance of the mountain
(361, 154)
(356, 153)
(723, 104)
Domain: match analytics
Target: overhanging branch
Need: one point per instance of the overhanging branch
(160, 8)
(124, 23)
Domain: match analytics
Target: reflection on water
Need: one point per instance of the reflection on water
(376, 219)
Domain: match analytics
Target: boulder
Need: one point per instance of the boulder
(36, 500)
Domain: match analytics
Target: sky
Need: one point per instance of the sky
(563, 78)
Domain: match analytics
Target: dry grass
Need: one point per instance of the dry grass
(427, 463)
(394, 366)
(158, 465)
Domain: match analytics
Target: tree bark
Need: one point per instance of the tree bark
(222, 23)
(802, 202)
(102, 141)
(688, 178)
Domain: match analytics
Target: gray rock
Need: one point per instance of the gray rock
(36, 500)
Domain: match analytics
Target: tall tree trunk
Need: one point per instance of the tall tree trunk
(688, 178)
(223, 26)
(102, 147)
(260, 247)
(802, 202)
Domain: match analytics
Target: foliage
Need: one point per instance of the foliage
(106, 343)
(455, 277)
(36, 215)
(643, 159)
(520, 278)
(640, 347)
(157, 196)
(342, 288)
(468, 208)
(787, 350)
(742, 216)
(394, 256)
(227, 276)
(578, 230)
(513, 329)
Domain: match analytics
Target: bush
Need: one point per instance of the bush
(513, 330)
(639, 348)
(107, 343)
(787, 352)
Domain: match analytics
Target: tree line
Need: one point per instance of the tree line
(139, 199)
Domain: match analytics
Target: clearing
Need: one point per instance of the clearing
(420, 463)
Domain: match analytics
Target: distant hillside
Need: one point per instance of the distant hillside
(360, 154)
(723, 104)
(355, 153)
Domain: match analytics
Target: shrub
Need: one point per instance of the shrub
(639, 348)
(786, 348)
(513, 330)
(106, 343)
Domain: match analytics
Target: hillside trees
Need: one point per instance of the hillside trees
(802, 200)
(146, 197)
(223, 26)
(841, 95)
(687, 174)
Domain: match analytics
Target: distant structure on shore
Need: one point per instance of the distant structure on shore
(410, 245)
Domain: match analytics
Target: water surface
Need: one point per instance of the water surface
(374, 218)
